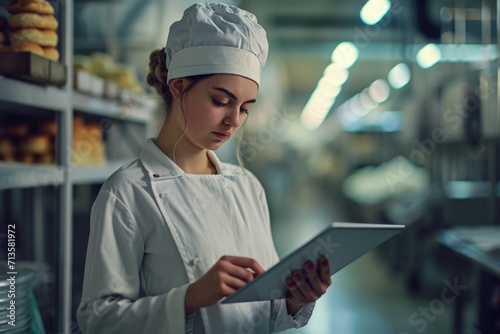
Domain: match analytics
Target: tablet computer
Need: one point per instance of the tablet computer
(341, 243)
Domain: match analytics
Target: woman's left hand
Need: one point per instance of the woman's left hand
(306, 290)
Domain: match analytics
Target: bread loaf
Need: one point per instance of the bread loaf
(31, 20)
(38, 36)
(30, 6)
(6, 147)
(47, 127)
(25, 157)
(44, 158)
(24, 46)
(51, 53)
(15, 130)
(36, 144)
(7, 158)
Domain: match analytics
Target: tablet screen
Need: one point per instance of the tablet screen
(341, 243)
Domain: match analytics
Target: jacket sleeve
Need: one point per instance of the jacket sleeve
(110, 300)
(279, 318)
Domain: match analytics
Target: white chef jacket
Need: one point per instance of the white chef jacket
(155, 229)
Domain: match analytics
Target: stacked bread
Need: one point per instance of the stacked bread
(32, 27)
(103, 66)
(88, 144)
(28, 143)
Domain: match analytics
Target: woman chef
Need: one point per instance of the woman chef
(176, 230)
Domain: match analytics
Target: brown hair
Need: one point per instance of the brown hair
(157, 78)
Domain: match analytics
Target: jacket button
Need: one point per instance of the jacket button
(156, 175)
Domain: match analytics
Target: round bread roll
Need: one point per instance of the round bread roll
(25, 157)
(6, 147)
(3, 23)
(27, 46)
(38, 36)
(7, 158)
(51, 53)
(30, 6)
(47, 127)
(16, 130)
(6, 48)
(2, 38)
(36, 144)
(44, 158)
(30, 20)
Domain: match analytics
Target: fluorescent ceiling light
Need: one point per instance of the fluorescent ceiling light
(345, 54)
(374, 10)
(379, 91)
(335, 74)
(366, 100)
(428, 56)
(327, 87)
(399, 76)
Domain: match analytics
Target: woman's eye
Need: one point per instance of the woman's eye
(219, 103)
(244, 111)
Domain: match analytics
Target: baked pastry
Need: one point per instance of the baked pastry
(38, 36)
(94, 132)
(3, 23)
(16, 130)
(7, 158)
(24, 46)
(6, 147)
(30, 6)
(30, 20)
(51, 53)
(36, 144)
(47, 127)
(6, 48)
(2, 38)
(25, 157)
(44, 158)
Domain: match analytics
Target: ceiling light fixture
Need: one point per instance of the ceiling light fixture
(428, 56)
(379, 91)
(374, 10)
(399, 76)
(329, 86)
(345, 54)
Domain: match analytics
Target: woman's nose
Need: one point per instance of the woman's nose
(233, 117)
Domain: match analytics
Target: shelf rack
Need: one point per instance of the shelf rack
(35, 96)
(17, 175)
(19, 98)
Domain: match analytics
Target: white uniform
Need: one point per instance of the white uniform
(155, 229)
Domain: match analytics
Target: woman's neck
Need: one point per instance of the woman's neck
(191, 159)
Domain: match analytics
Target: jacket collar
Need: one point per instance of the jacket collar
(159, 165)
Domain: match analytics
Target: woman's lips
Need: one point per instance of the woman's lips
(221, 136)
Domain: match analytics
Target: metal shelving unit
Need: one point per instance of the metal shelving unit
(17, 175)
(21, 98)
(108, 108)
(35, 96)
(89, 175)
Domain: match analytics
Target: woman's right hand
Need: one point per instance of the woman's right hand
(226, 276)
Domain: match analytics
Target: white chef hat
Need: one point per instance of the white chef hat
(216, 38)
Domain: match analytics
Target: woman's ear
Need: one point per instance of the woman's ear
(177, 86)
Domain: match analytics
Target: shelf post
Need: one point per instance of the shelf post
(65, 260)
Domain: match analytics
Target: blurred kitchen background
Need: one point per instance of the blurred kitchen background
(372, 111)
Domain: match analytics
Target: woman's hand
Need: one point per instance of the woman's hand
(305, 290)
(225, 277)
